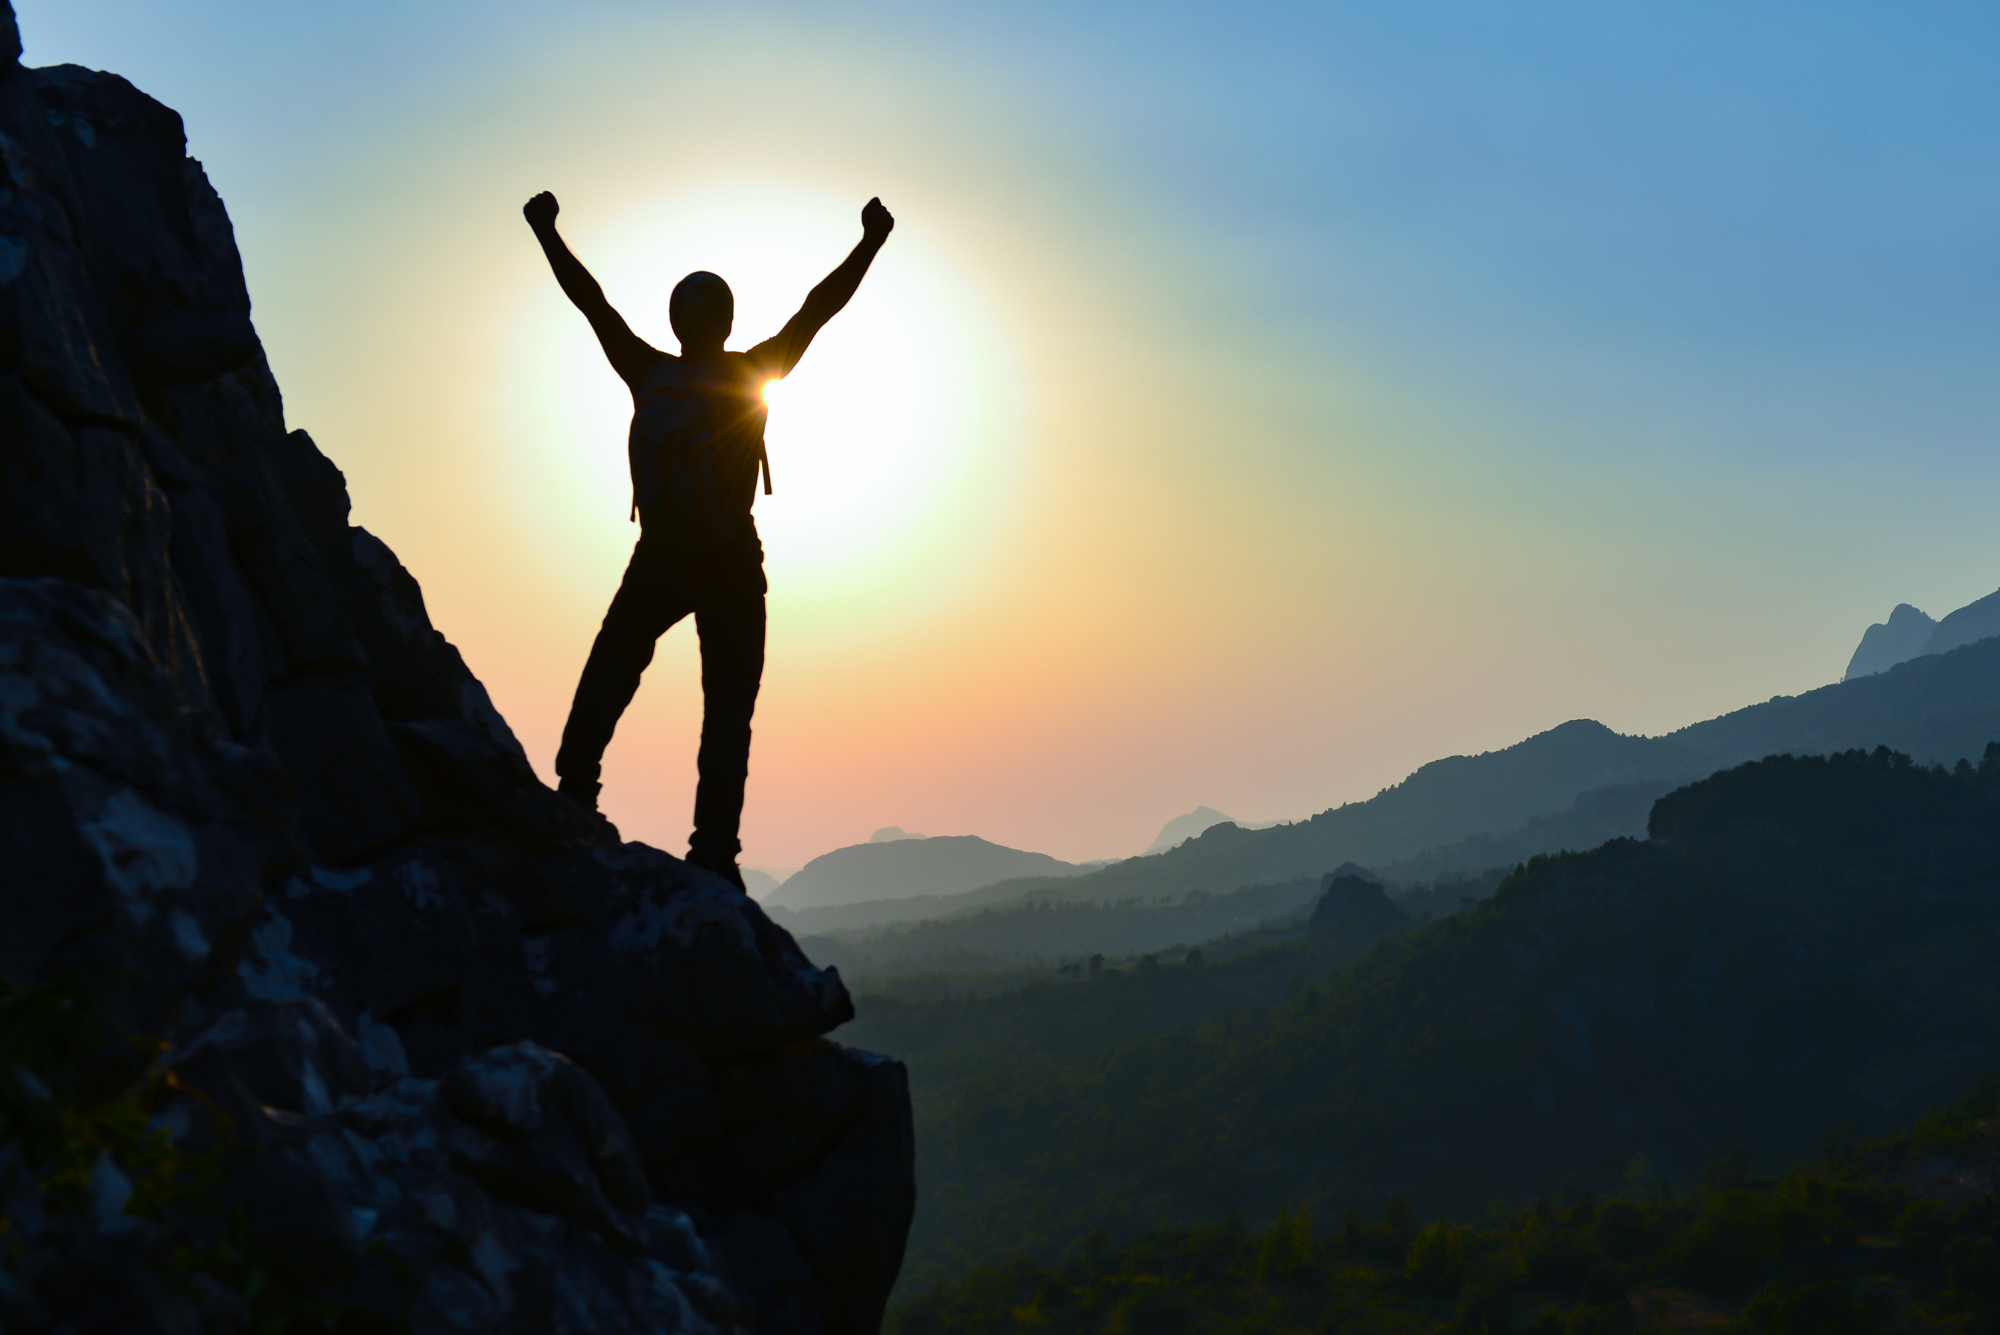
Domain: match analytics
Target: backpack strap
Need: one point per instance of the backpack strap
(763, 455)
(638, 399)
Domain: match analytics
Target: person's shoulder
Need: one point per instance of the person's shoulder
(759, 363)
(652, 367)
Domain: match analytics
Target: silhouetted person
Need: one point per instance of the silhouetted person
(697, 445)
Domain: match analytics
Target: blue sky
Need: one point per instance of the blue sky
(1399, 379)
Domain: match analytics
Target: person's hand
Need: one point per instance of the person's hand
(876, 221)
(541, 211)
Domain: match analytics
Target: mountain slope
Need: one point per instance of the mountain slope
(1596, 817)
(1183, 828)
(1909, 634)
(1887, 643)
(1939, 708)
(1803, 944)
(1971, 623)
(903, 868)
(1570, 788)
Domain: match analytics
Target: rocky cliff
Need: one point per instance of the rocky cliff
(1909, 633)
(1887, 643)
(398, 1037)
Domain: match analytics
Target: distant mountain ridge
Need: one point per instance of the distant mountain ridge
(906, 868)
(1938, 708)
(1910, 633)
(1183, 828)
(1572, 787)
(1801, 945)
(1192, 826)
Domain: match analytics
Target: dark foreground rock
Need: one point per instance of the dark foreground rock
(359, 1018)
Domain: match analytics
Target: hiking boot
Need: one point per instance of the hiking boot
(725, 867)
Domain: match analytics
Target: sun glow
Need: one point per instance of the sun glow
(889, 444)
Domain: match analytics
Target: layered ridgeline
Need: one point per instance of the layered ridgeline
(897, 876)
(1007, 934)
(909, 867)
(1937, 709)
(1455, 820)
(1908, 633)
(1183, 828)
(1802, 945)
(1900, 1234)
(315, 1005)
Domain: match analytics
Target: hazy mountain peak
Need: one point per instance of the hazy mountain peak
(1183, 828)
(905, 868)
(890, 834)
(1887, 643)
(1908, 634)
(1977, 620)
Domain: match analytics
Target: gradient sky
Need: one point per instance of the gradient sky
(1253, 403)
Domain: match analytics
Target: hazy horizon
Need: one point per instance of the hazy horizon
(1250, 407)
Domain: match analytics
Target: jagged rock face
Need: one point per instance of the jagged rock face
(1909, 633)
(1977, 620)
(1887, 643)
(471, 1062)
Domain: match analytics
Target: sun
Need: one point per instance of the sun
(888, 443)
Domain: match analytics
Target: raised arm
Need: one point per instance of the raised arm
(781, 353)
(629, 354)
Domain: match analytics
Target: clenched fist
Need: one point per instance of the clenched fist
(541, 210)
(876, 221)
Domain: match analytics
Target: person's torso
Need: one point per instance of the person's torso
(696, 444)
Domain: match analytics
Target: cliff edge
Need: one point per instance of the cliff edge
(329, 1002)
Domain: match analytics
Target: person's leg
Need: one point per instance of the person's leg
(651, 598)
(729, 617)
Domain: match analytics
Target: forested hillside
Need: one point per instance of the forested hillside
(1891, 1235)
(1074, 1017)
(1596, 817)
(1804, 945)
(1051, 932)
(1021, 927)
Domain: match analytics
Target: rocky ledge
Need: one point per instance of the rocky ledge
(347, 1015)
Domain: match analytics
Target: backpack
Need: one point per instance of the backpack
(687, 420)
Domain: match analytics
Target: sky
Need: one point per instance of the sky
(1253, 403)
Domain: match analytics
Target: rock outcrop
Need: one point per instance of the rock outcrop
(1887, 643)
(1977, 620)
(1909, 633)
(449, 1053)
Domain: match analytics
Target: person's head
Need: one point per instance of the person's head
(702, 310)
